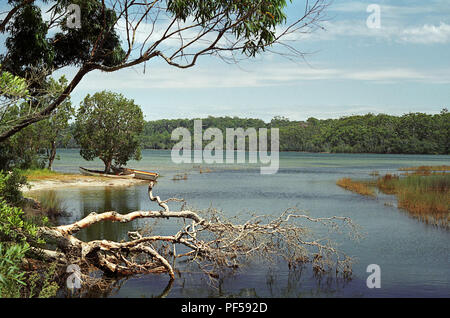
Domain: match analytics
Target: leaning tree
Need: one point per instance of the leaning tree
(117, 34)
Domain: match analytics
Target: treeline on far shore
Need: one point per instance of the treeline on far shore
(412, 133)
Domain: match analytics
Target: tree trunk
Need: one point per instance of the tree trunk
(52, 155)
(107, 165)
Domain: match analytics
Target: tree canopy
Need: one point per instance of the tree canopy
(108, 126)
(35, 145)
(413, 133)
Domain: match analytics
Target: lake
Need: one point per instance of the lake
(414, 257)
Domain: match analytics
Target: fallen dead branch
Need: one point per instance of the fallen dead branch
(208, 239)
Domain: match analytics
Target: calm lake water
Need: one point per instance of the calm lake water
(413, 257)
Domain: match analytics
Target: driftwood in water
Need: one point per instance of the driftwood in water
(209, 239)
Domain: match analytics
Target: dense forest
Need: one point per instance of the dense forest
(413, 133)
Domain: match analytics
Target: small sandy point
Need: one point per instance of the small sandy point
(58, 181)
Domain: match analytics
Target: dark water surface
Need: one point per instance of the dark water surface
(414, 257)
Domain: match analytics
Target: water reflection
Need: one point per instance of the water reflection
(111, 288)
(107, 199)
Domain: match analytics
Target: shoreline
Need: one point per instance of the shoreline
(78, 181)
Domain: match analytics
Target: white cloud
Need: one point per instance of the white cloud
(200, 77)
(424, 34)
(427, 34)
(390, 10)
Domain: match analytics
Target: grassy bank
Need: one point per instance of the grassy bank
(45, 174)
(424, 196)
(40, 174)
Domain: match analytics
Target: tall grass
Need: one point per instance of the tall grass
(425, 197)
(355, 186)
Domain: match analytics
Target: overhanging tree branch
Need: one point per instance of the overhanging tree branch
(178, 35)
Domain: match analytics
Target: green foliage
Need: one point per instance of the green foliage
(10, 184)
(15, 282)
(157, 134)
(414, 133)
(35, 145)
(258, 18)
(34, 50)
(14, 227)
(31, 47)
(11, 276)
(42, 285)
(12, 86)
(108, 126)
(13, 91)
(50, 131)
(16, 235)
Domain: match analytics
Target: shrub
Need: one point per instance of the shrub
(11, 276)
(13, 226)
(14, 280)
(10, 184)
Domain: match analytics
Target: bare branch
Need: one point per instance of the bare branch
(212, 241)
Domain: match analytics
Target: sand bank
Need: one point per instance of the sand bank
(59, 181)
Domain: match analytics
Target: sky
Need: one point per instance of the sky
(403, 66)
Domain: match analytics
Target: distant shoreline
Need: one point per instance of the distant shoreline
(317, 152)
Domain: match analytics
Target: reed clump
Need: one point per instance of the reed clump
(387, 183)
(425, 197)
(425, 193)
(359, 187)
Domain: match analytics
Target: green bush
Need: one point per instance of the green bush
(13, 226)
(10, 184)
(11, 276)
(15, 282)
(20, 233)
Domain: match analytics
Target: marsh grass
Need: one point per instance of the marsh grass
(424, 197)
(359, 187)
(387, 183)
(424, 193)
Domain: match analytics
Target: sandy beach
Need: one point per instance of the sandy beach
(59, 181)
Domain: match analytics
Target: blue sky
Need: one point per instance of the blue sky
(402, 67)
